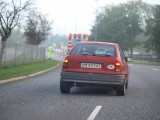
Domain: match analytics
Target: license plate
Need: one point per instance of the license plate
(90, 65)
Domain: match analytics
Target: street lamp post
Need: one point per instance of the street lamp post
(75, 24)
(0, 42)
(96, 22)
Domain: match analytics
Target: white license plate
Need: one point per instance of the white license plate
(90, 65)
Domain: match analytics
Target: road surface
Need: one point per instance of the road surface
(39, 98)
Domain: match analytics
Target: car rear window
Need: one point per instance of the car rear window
(94, 50)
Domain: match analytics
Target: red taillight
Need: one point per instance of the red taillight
(65, 64)
(118, 67)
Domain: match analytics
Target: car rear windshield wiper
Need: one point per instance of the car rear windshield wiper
(102, 55)
(108, 55)
(87, 53)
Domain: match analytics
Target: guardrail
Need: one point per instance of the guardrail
(146, 58)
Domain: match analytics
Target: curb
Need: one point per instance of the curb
(28, 76)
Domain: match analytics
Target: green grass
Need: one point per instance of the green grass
(10, 72)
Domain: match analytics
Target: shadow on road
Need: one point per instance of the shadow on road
(96, 91)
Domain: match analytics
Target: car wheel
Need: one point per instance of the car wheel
(65, 87)
(127, 84)
(120, 90)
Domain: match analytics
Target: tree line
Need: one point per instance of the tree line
(123, 23)
(35, 26)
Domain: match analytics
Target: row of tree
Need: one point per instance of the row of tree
(124, 22)
(15, 13)
(153, 31)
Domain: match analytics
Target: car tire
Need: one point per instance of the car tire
(120, 90)
(127, 84)
(65, 87)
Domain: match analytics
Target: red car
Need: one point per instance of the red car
(95, 64)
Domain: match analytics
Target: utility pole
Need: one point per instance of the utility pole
(96, 22)
(0, 42)
(75, 24)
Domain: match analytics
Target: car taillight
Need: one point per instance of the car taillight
(65, 64)
(118, 67)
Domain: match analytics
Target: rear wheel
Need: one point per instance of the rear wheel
(127, 84)
(120, 90)
(65, 87)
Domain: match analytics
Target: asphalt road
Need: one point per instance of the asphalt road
(39, 98)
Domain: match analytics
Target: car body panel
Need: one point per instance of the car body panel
(96, 68)
(82, 77)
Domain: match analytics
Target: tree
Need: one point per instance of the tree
(58, 39)
(16, 35)
(122, 23)
(37, 28)
(153, 31)
(10, 13)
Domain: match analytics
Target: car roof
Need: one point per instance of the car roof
(100, 43)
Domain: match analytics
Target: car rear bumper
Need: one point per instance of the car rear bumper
(92, 78)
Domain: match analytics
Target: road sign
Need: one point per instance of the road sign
(75, 38)
(17, 42)
(78, 40)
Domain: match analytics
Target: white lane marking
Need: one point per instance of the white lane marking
(154, 69)
(94, 113)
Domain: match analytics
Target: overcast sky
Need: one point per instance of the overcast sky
(75, 16)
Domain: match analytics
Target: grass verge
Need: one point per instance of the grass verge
(10, 72)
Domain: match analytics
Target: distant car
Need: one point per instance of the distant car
(95, 64)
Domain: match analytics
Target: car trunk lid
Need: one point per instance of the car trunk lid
(91, 64)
